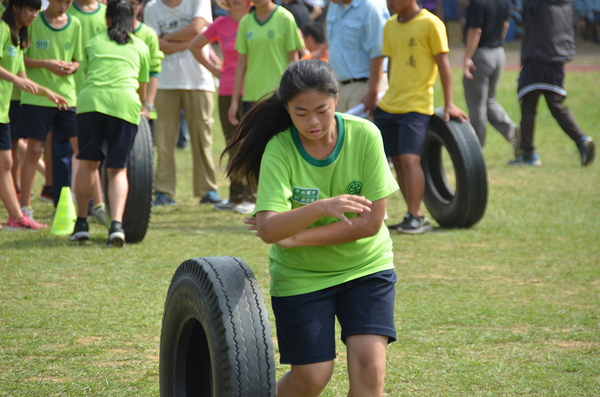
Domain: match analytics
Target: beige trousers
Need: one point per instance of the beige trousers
(198, 106)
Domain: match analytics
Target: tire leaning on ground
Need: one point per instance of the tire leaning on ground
(216, 338)
(141, 182)
(465, 205)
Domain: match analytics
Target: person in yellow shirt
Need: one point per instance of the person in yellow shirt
(415, 42)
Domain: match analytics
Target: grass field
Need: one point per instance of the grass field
(510, 307)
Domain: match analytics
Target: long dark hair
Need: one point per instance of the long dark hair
(21, 37)
(120, 13)
(269, 117)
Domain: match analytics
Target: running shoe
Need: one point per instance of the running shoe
(587, 150)
(27, 211)
(81, 231)
(162, 200)
(212, 198)
(527, 159)
(100, 213)
(116, 235)
(25, 223)
(412, 225)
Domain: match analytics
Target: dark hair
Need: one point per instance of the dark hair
(120, 13)
(316, 30)
(269, 117)
(21, 37)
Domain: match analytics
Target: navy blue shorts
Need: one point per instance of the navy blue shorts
(306, 323)
(5, 141)
(402, 133)
(13, 115)
(35, 122)
(94, 129)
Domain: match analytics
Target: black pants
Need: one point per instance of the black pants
(562, 114)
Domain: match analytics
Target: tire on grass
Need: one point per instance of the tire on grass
(216, 338)
(464, 205)
(141, 183)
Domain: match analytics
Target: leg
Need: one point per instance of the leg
(366, 364)
(7, 187)
(413, 180)
(305, 380)
(528, 111)
(166, 128)
(199, 106)
(32, 156)
(16, 161)
(118, 188)
(47, 161)
(85, 179)
(563, 115)
(97, 187)
(62, 154)
(236, 187)
(476, 93)
(496, 113)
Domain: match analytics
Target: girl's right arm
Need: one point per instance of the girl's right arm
(196, 47)
(56, 66)
(22, 83)
(240, 71)
(273, 227)
(43, 91)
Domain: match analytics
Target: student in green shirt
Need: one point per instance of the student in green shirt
(117, 66)
(51, 60)
(13, 38)
(322, 192)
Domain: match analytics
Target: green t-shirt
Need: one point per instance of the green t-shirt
(11, 59)
(149, 36)
(16, 93)
(267, 46)
(91, 23)
(113, 75)
(63, 44)
(290, 178)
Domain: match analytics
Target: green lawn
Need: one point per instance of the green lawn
(510, 307)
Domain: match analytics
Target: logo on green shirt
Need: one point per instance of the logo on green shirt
(67, 45)
(354, 187)
(42, 44)
(304, 195)
(249, 35)
(271, 34)
(11, 51)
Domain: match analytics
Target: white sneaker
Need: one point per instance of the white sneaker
(100, 214)
(244, 207)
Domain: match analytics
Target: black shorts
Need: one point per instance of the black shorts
(5, 139)
(94, 129)
(402, 133)
(306, 323)
(13, 115)
(35, 122)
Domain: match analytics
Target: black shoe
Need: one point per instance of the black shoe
(81, 231)
(116, 235)
(412, 225)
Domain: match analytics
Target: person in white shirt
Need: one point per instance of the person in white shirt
(183, 83)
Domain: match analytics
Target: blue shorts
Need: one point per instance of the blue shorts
(306, 323)
(35, 122)
(94, 129)
(402, 133)
(5, 141)
(13, 115)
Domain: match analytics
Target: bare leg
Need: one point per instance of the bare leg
(366, 365)
(47, 171)
(8, 194)
(84, 180)
(411, 181)
(118, 187)
(305, 380)
(32, 156)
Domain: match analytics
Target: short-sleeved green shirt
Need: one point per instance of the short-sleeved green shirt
(16, 93)
(113, 75)
(63, 44)
(91, 23)
(267, 46)
(290, 178)
(149, 36)
(11, 59)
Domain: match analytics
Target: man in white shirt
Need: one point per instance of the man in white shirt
(183, 83)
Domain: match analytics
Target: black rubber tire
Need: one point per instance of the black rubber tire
(216, 338)
(464, 206)
(141, 183)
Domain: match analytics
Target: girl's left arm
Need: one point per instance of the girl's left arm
(142, 92)
(45, 92)
(450, 109)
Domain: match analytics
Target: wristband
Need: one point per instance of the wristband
(149, 106)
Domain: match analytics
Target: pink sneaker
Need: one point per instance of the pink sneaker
(23, 224)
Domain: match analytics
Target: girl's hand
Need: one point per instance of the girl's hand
(252, 222)
(26, 85)
(145, 112)
(453, 111)
(58, 100)
(57, 67)
(232, 113)
(337, 206)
